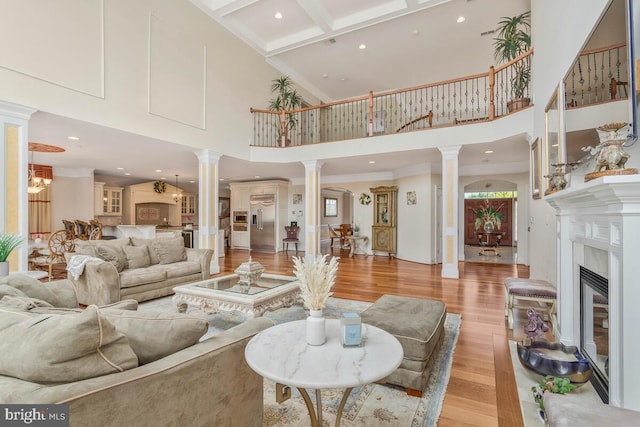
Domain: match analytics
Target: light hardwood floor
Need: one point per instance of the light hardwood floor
(482, 389)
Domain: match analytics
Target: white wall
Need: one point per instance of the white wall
(559, 29)
(71, 196)
(160, 68)
(415, 222)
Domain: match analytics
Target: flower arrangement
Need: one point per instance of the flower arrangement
(316, 277)
(8, 242)
(487, 213)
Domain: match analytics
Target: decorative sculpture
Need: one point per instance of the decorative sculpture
(557, 180)
(609, 153)
(535, 326)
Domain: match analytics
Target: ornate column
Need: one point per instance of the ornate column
(208, 221)
(14, 169)
(312, 198)
(450, 211)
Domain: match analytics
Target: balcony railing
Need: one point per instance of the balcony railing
(472, 99)
(598, 75)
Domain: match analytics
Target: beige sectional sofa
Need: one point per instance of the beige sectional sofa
(207, 383)
(133, 268)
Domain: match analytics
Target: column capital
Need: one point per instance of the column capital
(207, 156)
(312, 164)
(10, 109)
(450, 151)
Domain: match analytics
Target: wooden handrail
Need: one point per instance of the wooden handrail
(514, 60)
(603, 49)
(428, 116)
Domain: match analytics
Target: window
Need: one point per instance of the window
(330, 206)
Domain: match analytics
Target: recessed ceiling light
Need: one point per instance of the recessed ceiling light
(488, 152)
(371, 162)
(192, 182)
(415, 32)
(342, 79)
(158, 170)
(127, 173)
(75, 138)
(362, 46)
(324, 76)
(162, 177)
(461, 19)
(120, 169)
(278, 15)
(221, 179)
(257, 176)
(554, 145)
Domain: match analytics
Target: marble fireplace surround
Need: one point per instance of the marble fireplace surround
(598, 227)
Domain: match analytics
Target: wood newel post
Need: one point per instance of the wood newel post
(492, 94)
(370, 113)
(283, 128)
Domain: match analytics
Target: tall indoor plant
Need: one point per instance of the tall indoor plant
(285, 98)
(512, 41)
(8, 242)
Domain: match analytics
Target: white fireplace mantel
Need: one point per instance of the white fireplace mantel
(598, 223)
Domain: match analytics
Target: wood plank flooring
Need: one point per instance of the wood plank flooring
(481, 390)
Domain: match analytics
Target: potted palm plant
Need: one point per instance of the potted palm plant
(8, 242)
(512, 41)
(286, 99)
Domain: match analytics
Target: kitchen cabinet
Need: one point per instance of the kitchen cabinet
(111, 200)
(98, 203)
(189, 204)
(384, 229)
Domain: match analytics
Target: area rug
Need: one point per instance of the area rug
(525, 379)
(370, 405)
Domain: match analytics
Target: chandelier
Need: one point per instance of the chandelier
(39, 178)
(177, 197)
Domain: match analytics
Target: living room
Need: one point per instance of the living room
(117, 99)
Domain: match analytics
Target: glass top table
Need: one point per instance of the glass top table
(226, 293)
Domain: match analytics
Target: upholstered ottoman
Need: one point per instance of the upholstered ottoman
(419, 326)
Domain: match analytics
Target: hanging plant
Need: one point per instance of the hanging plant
(365, 199)
(159, 187)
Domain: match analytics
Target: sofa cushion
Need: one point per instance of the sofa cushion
(59, 293)
(182, 268)
(22, 302)
(141, 276)
(137, 256)
(89, 250)
(112, 254)
(50, 348)
(137, 241)
(153, 336)
(169, 250)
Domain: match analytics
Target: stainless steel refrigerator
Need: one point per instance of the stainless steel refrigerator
(262, 227)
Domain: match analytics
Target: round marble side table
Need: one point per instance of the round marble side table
(281, 354)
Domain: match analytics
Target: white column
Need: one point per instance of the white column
(208, 222)
(450, 211)
(14, 161)
(312, 199)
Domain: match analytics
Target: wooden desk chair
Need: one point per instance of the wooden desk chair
(345, 230)
(82, 230)
(60, 242)
(333, 234)
(292, 237)
(95, 230)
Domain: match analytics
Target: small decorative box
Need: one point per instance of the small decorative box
(351, 324)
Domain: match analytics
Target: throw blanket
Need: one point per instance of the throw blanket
(75, 267)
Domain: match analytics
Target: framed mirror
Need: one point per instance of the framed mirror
(536, 168)
(553, 148)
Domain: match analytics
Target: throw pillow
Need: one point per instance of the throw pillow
(59, 293)
(137, 256)
(137, 241)
(170, 250)
(23, 303)
(113, 255)
(153, 336)
(89, 250)
(49, 348)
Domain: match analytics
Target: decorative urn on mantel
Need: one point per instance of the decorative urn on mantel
(609, 154)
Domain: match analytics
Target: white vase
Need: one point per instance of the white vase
(4, 269)
(316, 334)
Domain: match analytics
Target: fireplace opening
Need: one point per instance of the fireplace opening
(594, 328)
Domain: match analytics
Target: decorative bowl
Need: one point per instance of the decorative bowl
(554, 358)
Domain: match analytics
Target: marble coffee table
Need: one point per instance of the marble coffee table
(224, 293)
(281, 354)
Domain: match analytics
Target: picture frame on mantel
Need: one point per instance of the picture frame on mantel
(536, 168)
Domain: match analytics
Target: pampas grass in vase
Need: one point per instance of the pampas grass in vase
(316, 277)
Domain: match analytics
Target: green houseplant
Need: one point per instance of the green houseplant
(285, 98)
(8, 242)
(512, 41)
